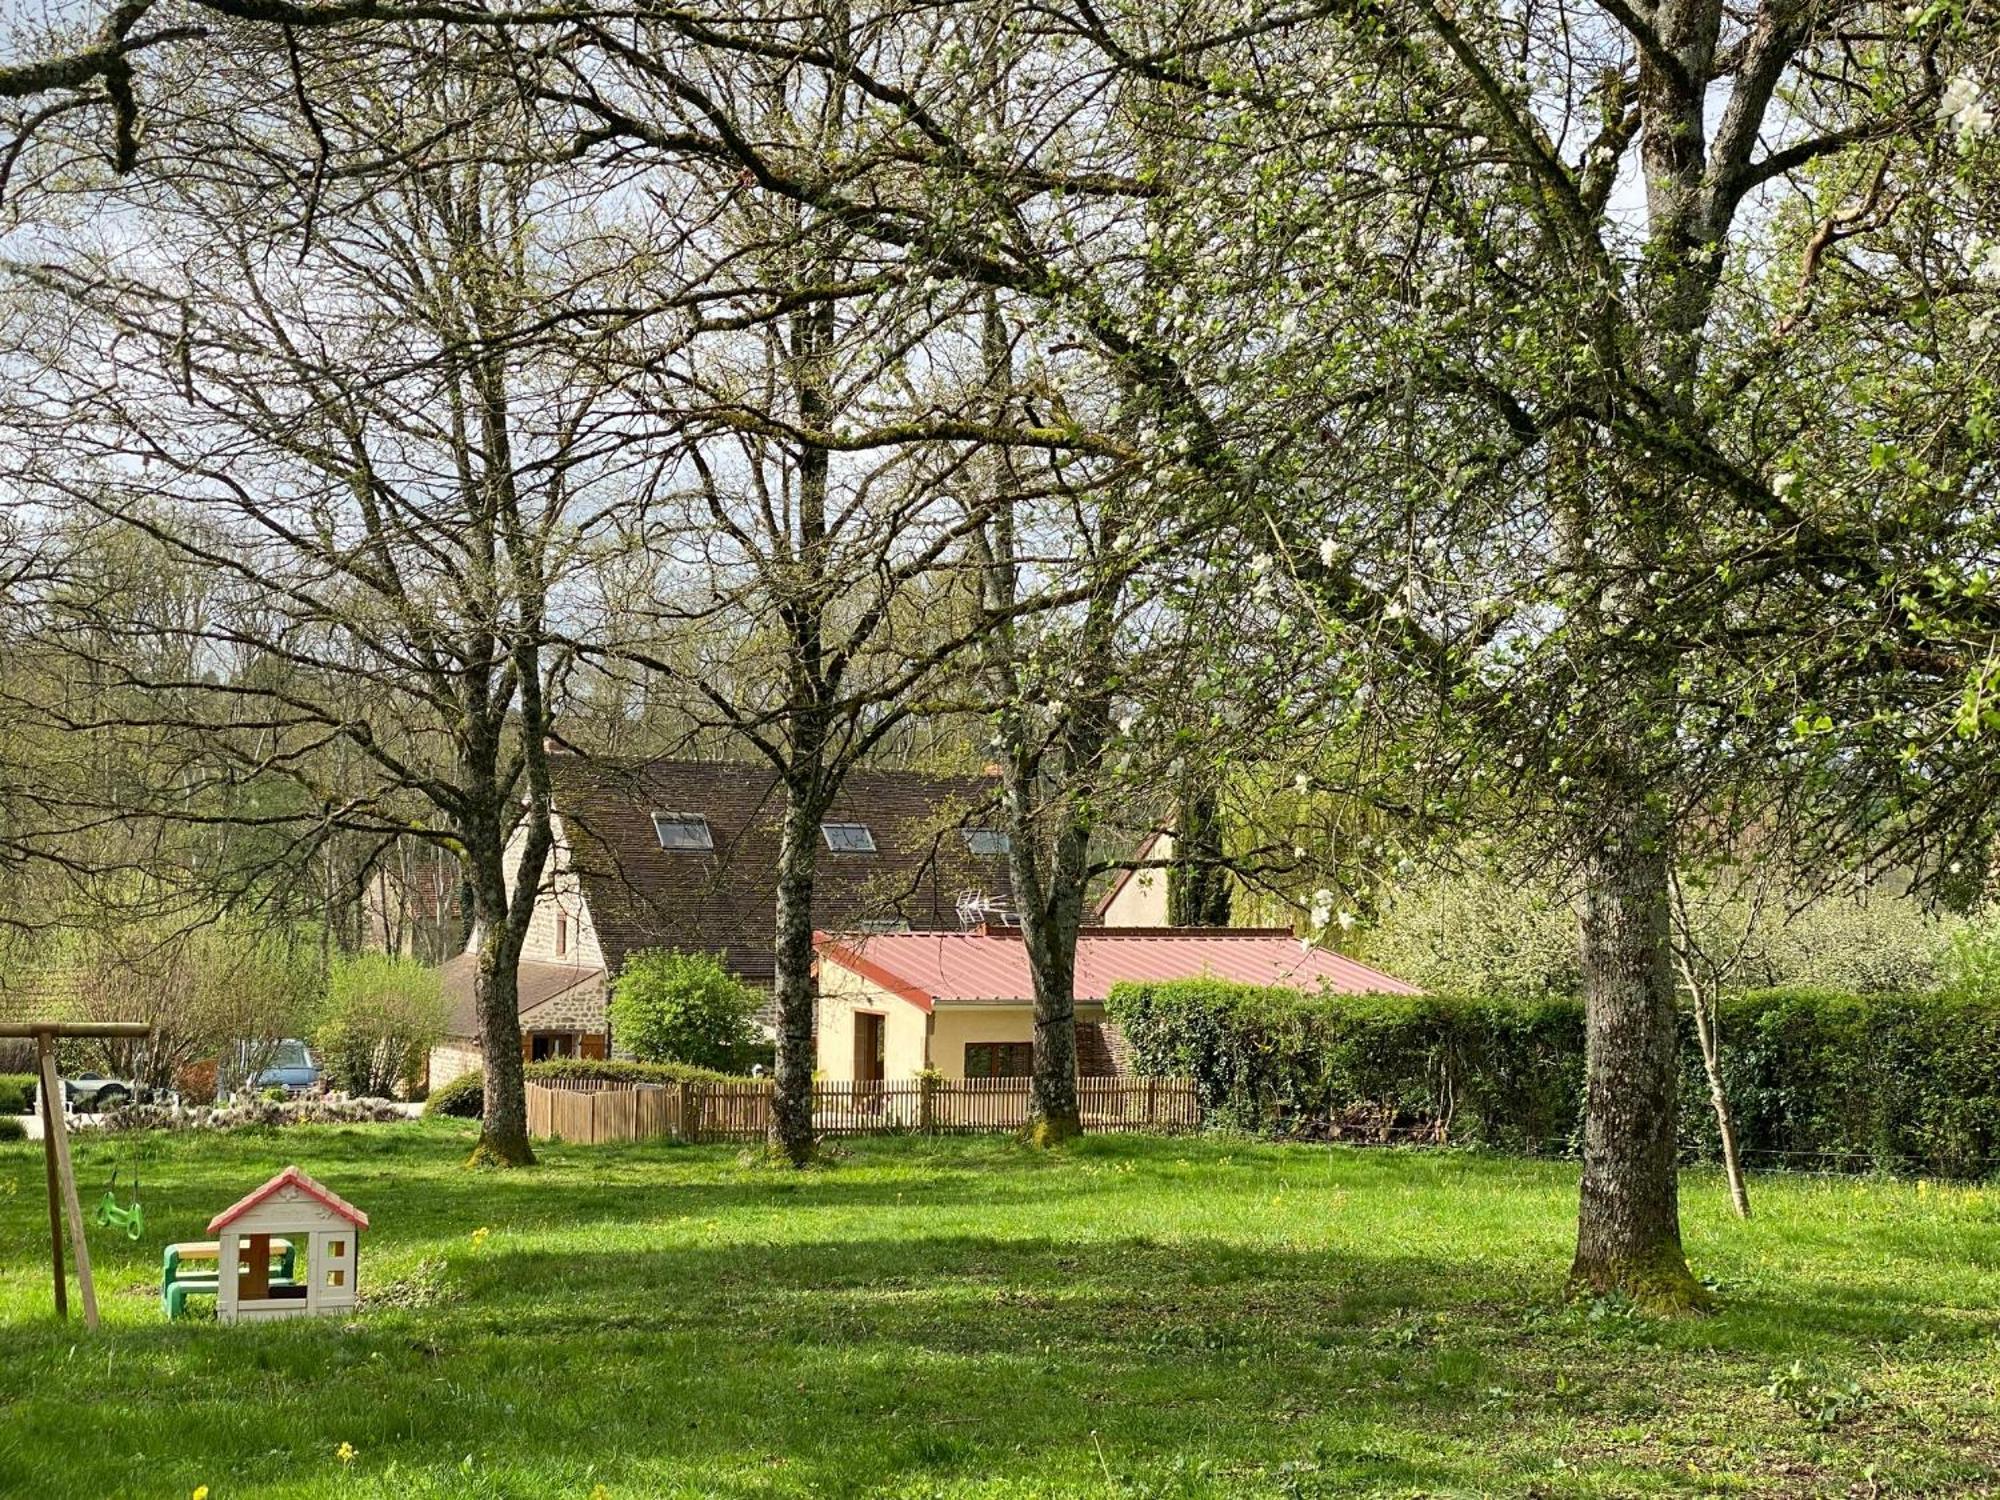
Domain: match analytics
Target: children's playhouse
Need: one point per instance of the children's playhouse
(260, 1238)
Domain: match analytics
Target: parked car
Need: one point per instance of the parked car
(292, 1068)
(93, 1093)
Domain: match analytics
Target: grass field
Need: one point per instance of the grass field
(948, 1318)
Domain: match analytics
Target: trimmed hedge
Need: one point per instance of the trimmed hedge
(464, 1098)
(1816, 1078)
(1500, 1073)
(1819, 1078)
(12, 1129)
(17, 1093)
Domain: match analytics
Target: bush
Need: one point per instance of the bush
(383, 1014)
(684, 1008)
(464, 1098)
(12, 1129)
(1816, 1078)
(17, 1093)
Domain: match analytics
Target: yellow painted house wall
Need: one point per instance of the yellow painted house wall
(909, 1036)
(841, 994)
(952, 1026)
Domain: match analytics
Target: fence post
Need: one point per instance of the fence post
(927, 1083)
(690, 1130)
(1152, 1101)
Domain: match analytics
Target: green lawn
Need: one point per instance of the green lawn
(923, 1318)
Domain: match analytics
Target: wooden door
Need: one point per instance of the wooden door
(867, 1047)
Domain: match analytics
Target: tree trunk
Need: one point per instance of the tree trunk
(798, 855)
(1054, 1114)
(1710, 1041)
(1628, 1224)
(503, 1131)
(1197, 881)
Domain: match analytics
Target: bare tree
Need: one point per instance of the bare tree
(353, 411)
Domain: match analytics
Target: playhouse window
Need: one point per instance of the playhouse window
(335, 1249)
(336, 1278)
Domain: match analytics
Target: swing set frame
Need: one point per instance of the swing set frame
(63, 1199)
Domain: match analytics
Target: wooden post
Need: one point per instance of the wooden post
(55, 1199)
(52, 1091)
(255, 1285)
(690, 1127)
(1152, 1101)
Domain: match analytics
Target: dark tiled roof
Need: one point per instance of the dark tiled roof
(642, 896)
(539, 984)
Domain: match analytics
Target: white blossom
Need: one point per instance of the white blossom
(1782, 484)
(1962, 109)
(1329, 549)
(1302, 783)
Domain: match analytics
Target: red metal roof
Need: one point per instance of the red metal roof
(290, 1177)
(927, 968)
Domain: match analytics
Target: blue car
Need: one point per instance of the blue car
(292, 1068)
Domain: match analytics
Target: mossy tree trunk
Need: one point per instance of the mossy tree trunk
(1628, 1223)
(793, 985)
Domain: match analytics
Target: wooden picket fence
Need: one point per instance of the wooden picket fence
(591, 1112)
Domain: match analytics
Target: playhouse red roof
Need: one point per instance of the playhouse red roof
(926, 968)
(290, 1177)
